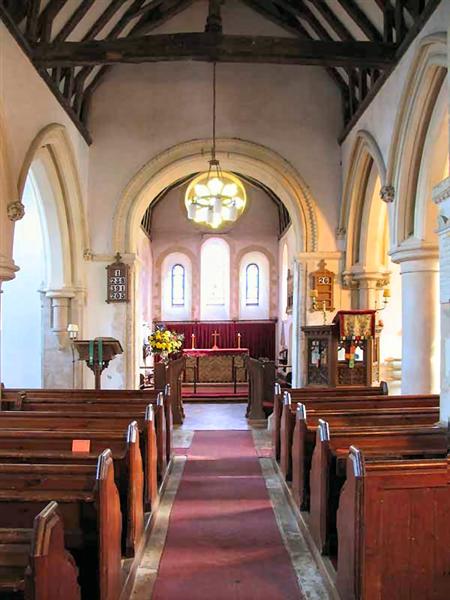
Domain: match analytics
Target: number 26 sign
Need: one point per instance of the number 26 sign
(117, 281)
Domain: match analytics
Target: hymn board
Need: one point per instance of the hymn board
(117, 281)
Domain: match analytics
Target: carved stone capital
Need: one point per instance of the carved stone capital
(88, 254)
(349, 282)
(15, 210)
(387, 193)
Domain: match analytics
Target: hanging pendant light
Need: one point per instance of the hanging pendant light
(215, 196)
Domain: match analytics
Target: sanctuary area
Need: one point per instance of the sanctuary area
(225, 299)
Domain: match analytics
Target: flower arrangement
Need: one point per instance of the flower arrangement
(164, 342)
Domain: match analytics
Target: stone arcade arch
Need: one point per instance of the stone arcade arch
(368, 267)
(248, 158)
(419, 145)
(64, 233)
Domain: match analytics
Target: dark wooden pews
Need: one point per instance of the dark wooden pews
(89, 503)
(399, 413)
(393, 529)
(34, 563)
(325, 394)
(328, 475)
(422, 409)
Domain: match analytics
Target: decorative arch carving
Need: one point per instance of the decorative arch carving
(252, 159)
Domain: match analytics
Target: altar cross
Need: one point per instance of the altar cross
(215, 336)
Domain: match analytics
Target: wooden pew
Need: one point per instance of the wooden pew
(393, 529)
(320, 405)
(326, 393)
(107, 401)
(42, 448)
(89, 504)
(304, 435)
(34, 563)
(327, 475)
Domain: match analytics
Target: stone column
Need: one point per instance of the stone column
(419, 268)
(441, 196)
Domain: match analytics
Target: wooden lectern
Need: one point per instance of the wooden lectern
(98, 353)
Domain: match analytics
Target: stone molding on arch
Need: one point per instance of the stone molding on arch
(420, 92)
(52, 144)
(365, 153)
(234, 154)
(8, 196)
(195, 266)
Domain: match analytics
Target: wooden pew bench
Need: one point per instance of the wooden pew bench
(318, 393)
(299, 455)
(393, 529)
(99, 421)
(106, 403)
(34, 563)
(41, 447)
(90, 507)
(331, 449)
(350, 403)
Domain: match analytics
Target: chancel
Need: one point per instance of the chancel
(225, 299)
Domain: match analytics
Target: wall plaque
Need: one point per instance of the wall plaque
(117, 281)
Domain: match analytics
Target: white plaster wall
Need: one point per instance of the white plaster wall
(141, 110)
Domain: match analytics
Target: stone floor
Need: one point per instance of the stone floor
(230, 416)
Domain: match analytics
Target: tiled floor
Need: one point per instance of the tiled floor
(201, 417)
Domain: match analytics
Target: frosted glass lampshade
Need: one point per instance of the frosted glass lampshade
(215, 197)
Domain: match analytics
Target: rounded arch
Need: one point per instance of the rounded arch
(51, 158)
(272, 271)
(361, 203)
(420, 94)
(254, 160)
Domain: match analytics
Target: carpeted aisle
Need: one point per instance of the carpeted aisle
(223, 542)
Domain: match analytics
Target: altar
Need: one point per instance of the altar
(215, 365)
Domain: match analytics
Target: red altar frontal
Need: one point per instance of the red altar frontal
(215, 365)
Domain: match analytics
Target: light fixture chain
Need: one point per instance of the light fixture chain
(213, 152)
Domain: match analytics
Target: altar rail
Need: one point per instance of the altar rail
(257, 336)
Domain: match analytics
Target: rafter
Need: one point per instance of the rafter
(361, 19)
(215, 47)
(73, 21)
(47, 17)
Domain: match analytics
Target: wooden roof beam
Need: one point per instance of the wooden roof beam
(215, 47)
(361, 19)
(73, 21)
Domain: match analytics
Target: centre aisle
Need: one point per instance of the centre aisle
(223, 542)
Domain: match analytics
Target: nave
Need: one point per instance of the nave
(226, 528)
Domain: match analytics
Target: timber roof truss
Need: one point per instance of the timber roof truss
(73, 43)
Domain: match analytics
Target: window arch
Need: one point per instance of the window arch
(215, 279)
(252, 284)
(178, 285)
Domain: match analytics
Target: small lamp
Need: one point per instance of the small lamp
(72, 330)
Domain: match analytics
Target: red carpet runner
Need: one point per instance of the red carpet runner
(223, 542)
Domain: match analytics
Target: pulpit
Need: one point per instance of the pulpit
(343, 353)
(98, 353)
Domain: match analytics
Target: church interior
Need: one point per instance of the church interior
(225, 299)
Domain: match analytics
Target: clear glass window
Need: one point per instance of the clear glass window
(252, 285)
(178, 285)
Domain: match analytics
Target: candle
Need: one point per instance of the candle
(313, 293)
(386, 293)
(193, 341)
(238, 340)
